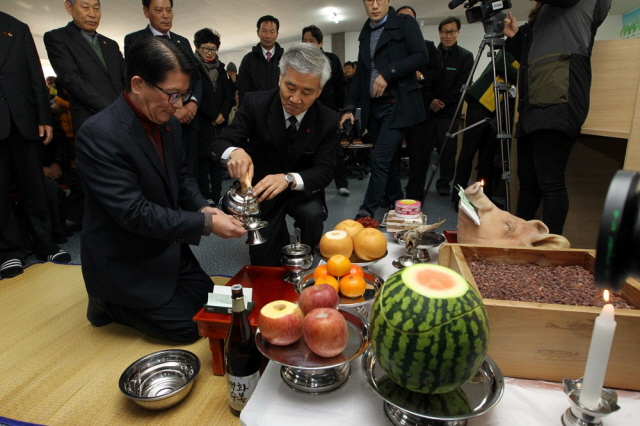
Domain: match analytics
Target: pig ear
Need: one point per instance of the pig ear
(540, 226)
(545, 239)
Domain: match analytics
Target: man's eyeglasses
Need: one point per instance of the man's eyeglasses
(448, 32)
(209, 49)
(174, 97)
(377, 1)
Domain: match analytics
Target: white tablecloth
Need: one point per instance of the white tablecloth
(524, 403)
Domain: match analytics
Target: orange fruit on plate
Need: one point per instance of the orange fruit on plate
(328, 279)
(352, 286)
(338, 265)
(320, 271)
(356, 270)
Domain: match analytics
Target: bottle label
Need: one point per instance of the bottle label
(241, 389)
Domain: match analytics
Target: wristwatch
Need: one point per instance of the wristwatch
(290, 179)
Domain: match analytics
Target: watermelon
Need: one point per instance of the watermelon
(429, 329)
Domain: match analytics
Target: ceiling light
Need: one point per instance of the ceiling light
(335, 18)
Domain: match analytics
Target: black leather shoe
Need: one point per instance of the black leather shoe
(97, 312)
(444, 192)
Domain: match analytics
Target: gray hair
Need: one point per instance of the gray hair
(306, 58)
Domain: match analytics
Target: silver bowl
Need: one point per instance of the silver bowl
(160, 380)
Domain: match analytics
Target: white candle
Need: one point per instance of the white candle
(598, 358)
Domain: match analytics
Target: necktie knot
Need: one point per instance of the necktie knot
(165, 36)
(268, 56)
(292, 129)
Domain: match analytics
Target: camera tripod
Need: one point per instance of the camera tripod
(494, 38)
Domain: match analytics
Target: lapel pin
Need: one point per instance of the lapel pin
(7, 34)
(168, 129)
(308, 130)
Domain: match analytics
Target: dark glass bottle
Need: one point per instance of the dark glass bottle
(242, 359)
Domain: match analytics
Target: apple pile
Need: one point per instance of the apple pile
(316, 317)
(351, 237)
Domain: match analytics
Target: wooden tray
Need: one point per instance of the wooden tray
(546, 341)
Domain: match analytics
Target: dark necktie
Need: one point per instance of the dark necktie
(268, 56)
(164, 36)
(291, 130)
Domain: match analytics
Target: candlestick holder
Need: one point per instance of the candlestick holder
(579, 415)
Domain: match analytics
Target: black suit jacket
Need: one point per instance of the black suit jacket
(259, 128)
(23, 93)
(400, 52)
(195, 84)
(91, 86)
(138, 211)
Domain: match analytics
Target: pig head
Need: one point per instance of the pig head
(501, 228)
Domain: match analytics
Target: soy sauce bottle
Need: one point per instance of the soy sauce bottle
(242, 360)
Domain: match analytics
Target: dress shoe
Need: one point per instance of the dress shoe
(362, 213)
(97, 313)
(444, 192)
(11, 268)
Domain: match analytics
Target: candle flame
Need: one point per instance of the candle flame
(605, 296)
(481, 182)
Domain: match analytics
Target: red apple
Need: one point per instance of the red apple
(280, 322)
(325, 331)
(318, 296)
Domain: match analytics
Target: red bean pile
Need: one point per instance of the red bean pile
(524, 282)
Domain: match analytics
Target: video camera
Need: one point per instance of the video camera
(486, 10)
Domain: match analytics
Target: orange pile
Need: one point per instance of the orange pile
(344, 277)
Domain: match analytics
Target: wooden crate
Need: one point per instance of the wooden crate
(548, 341)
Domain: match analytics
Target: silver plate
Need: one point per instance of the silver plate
(374, 282)
(307, 372)
(481, 393)
(298, 355)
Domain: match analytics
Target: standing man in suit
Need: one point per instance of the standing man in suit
(332, 96)
(160, 16)
(444, 97)
(385, 86)
(25, 122)
(143, 209)
(259, 68)
(89, 65)
(289, 139)
(419, 145)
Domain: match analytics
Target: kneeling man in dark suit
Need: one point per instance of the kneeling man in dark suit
(285, 141)
(142, 208)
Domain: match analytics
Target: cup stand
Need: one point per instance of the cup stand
(578, 415)
(316, 381)
(294, 277)
(400, 417)
(254, 237)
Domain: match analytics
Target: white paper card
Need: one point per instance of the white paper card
(221, 296)
(466, 206)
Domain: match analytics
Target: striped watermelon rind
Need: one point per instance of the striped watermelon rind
(424, 343)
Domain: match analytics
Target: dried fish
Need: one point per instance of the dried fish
(423, 236)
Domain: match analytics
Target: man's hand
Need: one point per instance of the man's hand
(510, 25)
(269, 187)
(436, 105)
(218, 120)
(186, 113)
(45, 132)
(379, 86)
(53, 172)
(240, 164)
(347, 116)
(224, 225)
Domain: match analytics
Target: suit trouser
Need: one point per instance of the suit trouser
(385, 164)
(19, 164)
(308, 214)
(481, 139)
(419, 147)
(174, 320)
(438, 130)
